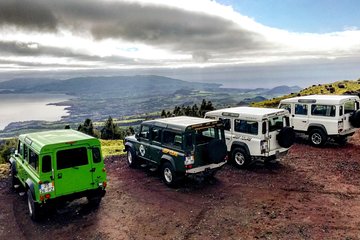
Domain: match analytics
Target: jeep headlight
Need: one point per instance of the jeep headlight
(189, 160)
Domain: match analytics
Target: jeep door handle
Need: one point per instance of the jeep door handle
(59, 175)
(227, 138)
(304, 121)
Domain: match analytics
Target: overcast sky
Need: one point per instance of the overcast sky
(248, 43)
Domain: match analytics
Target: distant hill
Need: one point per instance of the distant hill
(147, 85)
(283, 90)
(339, 87)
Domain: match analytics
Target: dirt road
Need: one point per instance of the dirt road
(314, 193)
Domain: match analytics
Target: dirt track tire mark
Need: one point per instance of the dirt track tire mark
(196, 222)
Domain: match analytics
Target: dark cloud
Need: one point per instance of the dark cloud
(8, 48)
(32, 15)
(160, 26)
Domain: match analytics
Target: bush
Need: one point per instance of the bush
(5, 149)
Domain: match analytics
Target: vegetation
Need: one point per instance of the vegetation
(112, 147)
(339, 87)
(5, 149)
(193, 110)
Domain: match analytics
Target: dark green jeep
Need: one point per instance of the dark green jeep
(58, 165)
(178, 146)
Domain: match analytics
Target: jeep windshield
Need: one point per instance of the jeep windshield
(201, 136)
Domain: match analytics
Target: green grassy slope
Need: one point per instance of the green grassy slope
(349, 85)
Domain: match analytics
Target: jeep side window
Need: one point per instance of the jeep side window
(301, 109)
(226, 123)
(286, 107)
(349, 107)
(144, 132)
(275, 123)
(323, 110)
(71, 158)
(96, 155)
(341, 111)
(33, 159)
(25, 153)
(156, 134)
(46, 164)
(243, 126)
(173, 139)
(20, 148)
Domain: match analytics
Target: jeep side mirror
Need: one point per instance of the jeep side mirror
(16, 152)
(137, 136)
(13, 151)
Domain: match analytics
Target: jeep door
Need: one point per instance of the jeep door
(144, 142)
(348, 107)
(300, 119)
(155, 148)
(73, 170)
(228, 123)
(275, 124)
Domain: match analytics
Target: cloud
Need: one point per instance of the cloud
(33, 15)
(162, 26)
(153, 34)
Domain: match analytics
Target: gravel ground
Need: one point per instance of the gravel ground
(313, 193)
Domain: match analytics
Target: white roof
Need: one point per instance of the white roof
(248, 112)
(322, 99)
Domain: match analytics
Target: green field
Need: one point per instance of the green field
(112, 147)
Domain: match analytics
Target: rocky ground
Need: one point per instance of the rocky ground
(314, 193)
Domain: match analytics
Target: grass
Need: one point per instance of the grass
(350, 85)
(112, 147)
(4, 170)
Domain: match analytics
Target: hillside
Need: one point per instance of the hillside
(339, 87)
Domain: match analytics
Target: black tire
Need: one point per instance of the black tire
(168, 174)
(216, 151)
(131, 158)
(355, 119)
(34, 208)
(286, 137)
(317, 137)
(240, 158)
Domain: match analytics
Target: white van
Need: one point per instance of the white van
(324, 116)
(255, 133)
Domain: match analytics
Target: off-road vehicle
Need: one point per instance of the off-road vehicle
(178, 146)
(324, 116)
(58, 166)
(255, 133)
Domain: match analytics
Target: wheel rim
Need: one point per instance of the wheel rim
(129, 157)
(30, 206)
(168, 175)
(316, 138)
(239, 158)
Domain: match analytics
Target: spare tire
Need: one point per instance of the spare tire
(286, 137)
(355, 119)
(216, 151)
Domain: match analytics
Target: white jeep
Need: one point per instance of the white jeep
(324, 116)
(255, 133)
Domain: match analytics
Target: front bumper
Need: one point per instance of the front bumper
(205, 168)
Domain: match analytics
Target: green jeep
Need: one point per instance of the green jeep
(178, 146)
(59, 165)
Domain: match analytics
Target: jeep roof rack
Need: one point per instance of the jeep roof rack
(252, 113)
(182, 123)
(321, 99)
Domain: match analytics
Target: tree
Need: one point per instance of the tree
(87, 127)
(111, 130)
